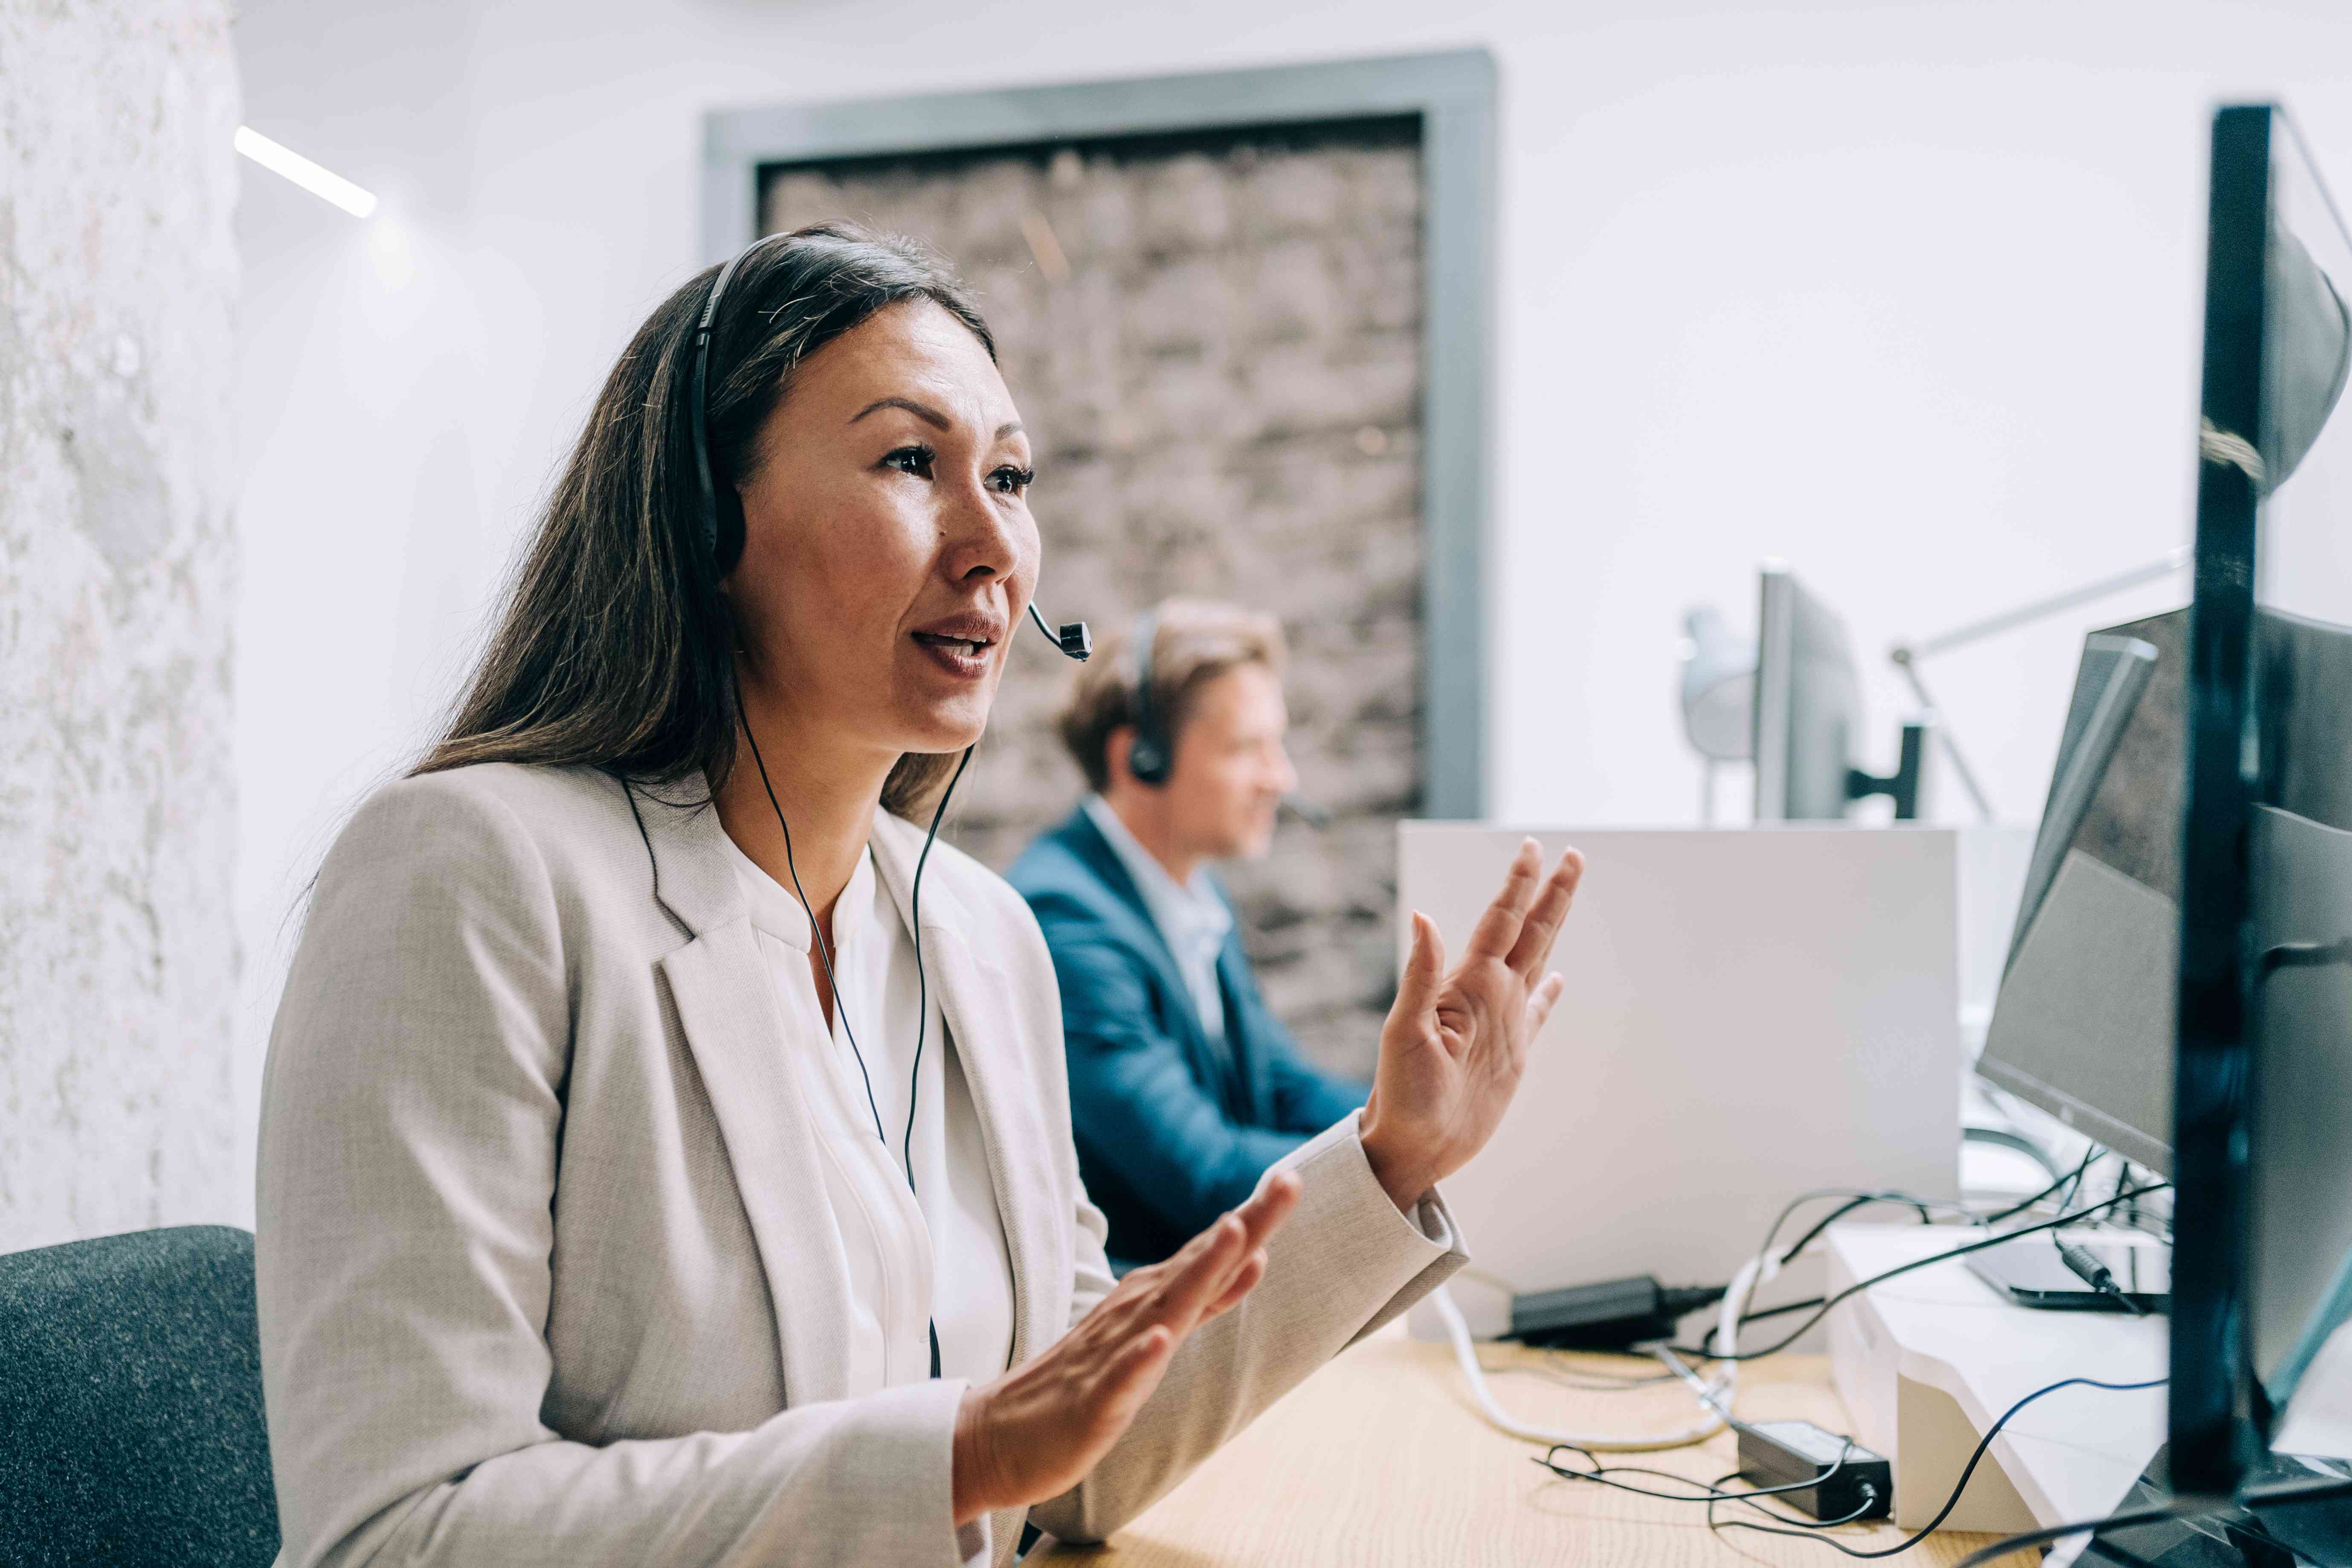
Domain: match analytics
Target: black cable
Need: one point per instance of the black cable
(2178, 1508)
(1783, 1310)
(824, 948)
(1708, 1492)
(1797, 1248)
(2002, 1548)
(922, 1000)
(1959, 1487)
(825, 956)
(1860, 1198)
(1862, 1285)
(1706, 1342)
(1855, 1198)
(1801, 1199)
(2019, 1207)
(922, 981)
(2091, 1156)
(1870, 1500)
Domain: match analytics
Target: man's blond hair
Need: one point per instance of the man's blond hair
(1194, 642)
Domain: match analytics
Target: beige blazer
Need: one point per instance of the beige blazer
(543, 1275)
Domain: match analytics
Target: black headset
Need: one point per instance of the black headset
(721, 537)
(1150, 756)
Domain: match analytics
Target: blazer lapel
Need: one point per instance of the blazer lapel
(1094, 852)
(976, 1001)
(734, 1026)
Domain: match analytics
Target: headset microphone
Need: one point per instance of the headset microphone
(1074, 639)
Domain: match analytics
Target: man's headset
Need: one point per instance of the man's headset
(722, 506)
(1150, 756)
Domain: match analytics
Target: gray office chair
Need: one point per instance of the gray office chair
(130, 1426)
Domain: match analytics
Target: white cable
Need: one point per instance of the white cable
(1715, 1397)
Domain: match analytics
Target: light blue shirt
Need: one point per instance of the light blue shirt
(1193, 919)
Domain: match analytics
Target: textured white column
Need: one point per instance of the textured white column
(117, 949)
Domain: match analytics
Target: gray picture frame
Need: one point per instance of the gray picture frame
(1452, 93)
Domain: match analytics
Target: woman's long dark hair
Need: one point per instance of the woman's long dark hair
(614, 647)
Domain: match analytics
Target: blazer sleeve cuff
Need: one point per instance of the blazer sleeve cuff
(1338, 1154)
(892, 1473)
(1403, 1256)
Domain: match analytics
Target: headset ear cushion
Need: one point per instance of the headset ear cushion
(726, 548)
(1145, 761)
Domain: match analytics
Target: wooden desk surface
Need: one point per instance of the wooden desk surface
(1378, 1459)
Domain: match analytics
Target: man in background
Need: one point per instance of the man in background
(1184, 1087)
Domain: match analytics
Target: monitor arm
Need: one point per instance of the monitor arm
(1906, 656)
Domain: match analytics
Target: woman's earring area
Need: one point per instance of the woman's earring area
(727, 532)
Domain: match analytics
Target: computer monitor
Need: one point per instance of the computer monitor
(2081, 1025)
(2261, 1143)
(1808, 712)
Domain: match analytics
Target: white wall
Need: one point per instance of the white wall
(1904, 293)
(118, 571)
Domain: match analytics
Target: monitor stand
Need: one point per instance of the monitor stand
(2306, 1535)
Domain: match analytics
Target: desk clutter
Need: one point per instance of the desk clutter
(2147, 1361)
(1377, 1459)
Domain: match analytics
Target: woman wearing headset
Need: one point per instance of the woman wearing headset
(664, 1150)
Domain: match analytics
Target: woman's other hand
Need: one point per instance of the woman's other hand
(1455, 1044)
(1036, 1432)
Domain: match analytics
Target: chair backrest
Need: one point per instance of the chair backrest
(131, 1421)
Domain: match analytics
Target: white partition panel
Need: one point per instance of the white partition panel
(1750, 1014)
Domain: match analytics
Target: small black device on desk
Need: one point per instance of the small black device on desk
(2078, 1276)
(1855, 1483)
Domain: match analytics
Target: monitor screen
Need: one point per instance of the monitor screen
(2262, 1065)
(2082, 1026)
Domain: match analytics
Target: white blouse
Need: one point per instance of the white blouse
(934, 1255)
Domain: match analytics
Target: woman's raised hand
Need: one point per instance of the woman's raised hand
(1036, 1432)
(1455, 1044)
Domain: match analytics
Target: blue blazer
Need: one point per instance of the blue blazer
(1171, 1130)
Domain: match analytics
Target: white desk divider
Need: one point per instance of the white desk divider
(1750, 1013)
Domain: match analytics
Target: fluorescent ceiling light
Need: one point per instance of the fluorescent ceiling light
(324, 183)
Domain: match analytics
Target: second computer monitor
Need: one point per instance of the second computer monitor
(2082, 1024)
(1808, 709)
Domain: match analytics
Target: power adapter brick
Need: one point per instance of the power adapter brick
(1854, 1482)
(1611, 1316)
